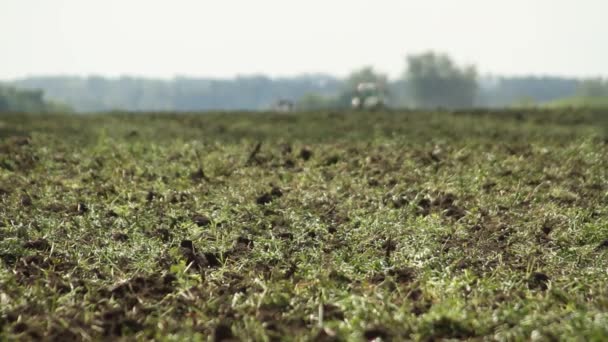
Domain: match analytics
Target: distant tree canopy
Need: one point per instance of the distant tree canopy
(30, 101)
(366, 74)
(93, 94)
(593, 88)
(435, 81)
(506, 91)
(431, 80)
(592, 93)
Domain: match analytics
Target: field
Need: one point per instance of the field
(320, 226)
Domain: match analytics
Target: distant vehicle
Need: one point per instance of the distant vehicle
(284, 106)
(369, 96)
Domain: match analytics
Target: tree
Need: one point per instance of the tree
(4, 105)
(27, 101)
(366, 74)
(593, 88)
(435, 81)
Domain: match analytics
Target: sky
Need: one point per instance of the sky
(225, 38)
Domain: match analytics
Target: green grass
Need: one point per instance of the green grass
(401, 225)
(579, 102)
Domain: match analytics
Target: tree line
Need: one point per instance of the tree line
(429, 80)
(99, 94)
(27, 101)
(434, 80)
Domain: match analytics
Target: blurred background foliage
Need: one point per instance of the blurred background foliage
(430, 80)
(29, 101)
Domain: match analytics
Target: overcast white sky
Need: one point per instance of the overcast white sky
(223, 38)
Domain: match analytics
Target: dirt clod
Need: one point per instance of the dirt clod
(268, 197)
(399, 201)
(305, 153)
(198, 259)
(151, 195)
(376, 333)
(120, 237)
(163, 234)
(81, 208)
(276, 191)
(331, 160)
(289, 164)
(285, 149)
(201, 220)
(403, 275)
(264, 198)
(538, 281)
(199, 175)
(187, 244)
(547, 229)
(332, 312)
(602, 245)
(243, 243)
(223, 332)
(38, 244)
(26, 201)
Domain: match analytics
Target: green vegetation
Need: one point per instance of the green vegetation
(430, 80)
(580, 102)
(593, 88)
(98, 94)
(325, 226)
(27, 101)
(508, 91)
(435, 81)
(316, 102)
(589, 94)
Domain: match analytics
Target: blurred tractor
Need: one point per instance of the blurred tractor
(369, 96)
(283, 106)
